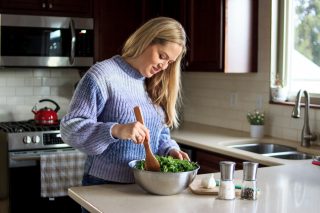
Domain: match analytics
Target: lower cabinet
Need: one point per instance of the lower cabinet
(209, 161)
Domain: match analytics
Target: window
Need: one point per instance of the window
(299, 46)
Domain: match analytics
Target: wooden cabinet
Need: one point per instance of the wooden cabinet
(222, 34)
(76, 8)
(169, 8)
(115, 21)
(204, 27)
(209, 161)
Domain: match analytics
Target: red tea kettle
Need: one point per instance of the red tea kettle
(46, 116)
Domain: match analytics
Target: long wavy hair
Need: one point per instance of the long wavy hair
(164, 87)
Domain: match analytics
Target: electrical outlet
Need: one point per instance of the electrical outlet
(233, 99)
(259, 102)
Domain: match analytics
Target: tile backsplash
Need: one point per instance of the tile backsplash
(22, 88)
(223, 100)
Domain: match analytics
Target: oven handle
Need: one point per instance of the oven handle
(30, 159)
(21, 158)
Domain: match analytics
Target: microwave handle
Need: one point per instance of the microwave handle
(73, 42)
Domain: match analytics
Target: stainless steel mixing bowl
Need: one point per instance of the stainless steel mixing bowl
(162, 183)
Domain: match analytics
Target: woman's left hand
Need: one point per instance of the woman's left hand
(178, 154)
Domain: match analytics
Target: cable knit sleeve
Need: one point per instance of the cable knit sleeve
(79, 127)
(166, 143)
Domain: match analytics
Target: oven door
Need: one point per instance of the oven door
(25, 186)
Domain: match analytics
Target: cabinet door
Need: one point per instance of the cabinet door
(209, 162)
(204, 26)
(115, 21)
(79, 8)
(168, 8)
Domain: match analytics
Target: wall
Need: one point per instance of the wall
(22, 88)
(223, 100)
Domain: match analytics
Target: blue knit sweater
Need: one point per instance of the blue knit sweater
(106, 96)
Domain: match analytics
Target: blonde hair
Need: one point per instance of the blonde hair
(164, 87)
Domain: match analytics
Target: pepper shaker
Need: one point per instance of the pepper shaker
(227, 188)
(249, 185)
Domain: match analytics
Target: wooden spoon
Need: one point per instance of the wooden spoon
(151, 162)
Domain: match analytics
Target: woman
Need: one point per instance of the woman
(101, 121)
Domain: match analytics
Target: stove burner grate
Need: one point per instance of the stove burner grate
(26, 126)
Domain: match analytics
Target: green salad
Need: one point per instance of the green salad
(170, 164)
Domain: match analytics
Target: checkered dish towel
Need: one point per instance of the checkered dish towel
(59, 171)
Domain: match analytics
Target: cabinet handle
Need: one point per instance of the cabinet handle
(50, 5)
(44, 5)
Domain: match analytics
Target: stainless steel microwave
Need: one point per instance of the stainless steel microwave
(45, 41)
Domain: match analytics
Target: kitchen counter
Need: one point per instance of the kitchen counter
(216, 139)
(288, 188)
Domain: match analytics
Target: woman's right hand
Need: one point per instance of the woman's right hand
(136, 131)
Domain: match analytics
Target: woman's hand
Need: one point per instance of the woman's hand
(135, 131)
(179, 154)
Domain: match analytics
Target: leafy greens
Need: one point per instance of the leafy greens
(170, 164)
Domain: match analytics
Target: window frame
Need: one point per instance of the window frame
(283, 64)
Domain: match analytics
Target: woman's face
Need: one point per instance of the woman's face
(156, 58)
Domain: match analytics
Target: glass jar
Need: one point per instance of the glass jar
(227, 188)
(249, 189)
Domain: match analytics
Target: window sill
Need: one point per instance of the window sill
(288, 103)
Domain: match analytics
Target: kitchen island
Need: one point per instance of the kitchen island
(290, 188)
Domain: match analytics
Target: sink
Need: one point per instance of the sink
(263, 148)
(291, 155)
(273, 150)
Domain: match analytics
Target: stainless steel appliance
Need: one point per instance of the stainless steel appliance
(21, 144)
(45, 41)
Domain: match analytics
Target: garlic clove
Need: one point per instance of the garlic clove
(208, 182)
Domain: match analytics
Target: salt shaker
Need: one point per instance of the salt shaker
(249, 185)
(227, 188)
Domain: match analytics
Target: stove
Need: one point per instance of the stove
(22, 144)
(28, 135)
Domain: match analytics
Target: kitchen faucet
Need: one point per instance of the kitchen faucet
(306, 135)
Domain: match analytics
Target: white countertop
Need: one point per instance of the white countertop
(287, 188)
(292, 186)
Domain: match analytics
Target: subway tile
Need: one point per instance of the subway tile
(27, 91)
(3, 100)
(7, 91)
(14, 100)
(64, 73)
(41, 91)
(23, 73)
(16, 82)
(41, 73)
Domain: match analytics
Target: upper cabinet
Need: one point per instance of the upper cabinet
(204, 27)
(170, 8)
(75, 8)
(222, 34)
(115, 21)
